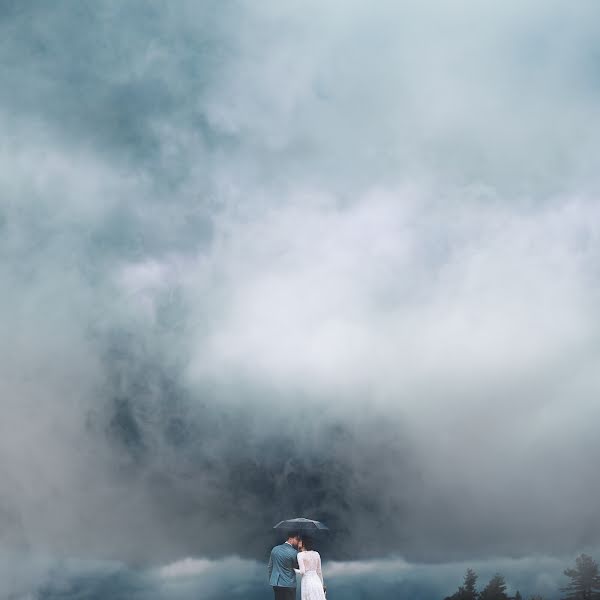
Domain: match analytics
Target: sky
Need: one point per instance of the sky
(262, 259)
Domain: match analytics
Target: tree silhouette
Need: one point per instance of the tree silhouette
(585, 580)
(466, 591)
(495, 589)
(518, 595)
(470, 593)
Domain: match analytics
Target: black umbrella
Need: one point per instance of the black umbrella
(301, 524)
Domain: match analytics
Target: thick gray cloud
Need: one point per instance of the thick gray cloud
(259, 261)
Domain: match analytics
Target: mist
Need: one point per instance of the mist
(262, 261)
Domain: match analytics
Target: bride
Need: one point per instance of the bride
(309, 561)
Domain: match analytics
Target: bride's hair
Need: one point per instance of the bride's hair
(308, 544)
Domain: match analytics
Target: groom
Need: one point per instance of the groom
(282, 563)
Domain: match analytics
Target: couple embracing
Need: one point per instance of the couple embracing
(296, 556)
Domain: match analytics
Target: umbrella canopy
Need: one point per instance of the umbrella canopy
(301, 524)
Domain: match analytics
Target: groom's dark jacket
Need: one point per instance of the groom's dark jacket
(283, 560)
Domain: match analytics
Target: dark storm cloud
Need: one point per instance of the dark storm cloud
(259, 261)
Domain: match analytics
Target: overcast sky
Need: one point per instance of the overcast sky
(264, 259)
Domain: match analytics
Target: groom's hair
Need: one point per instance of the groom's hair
(293, 534)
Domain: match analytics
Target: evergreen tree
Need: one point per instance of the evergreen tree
(495, 589)
(466, 591)
(469, 591)
(585, 580)
(518, 596)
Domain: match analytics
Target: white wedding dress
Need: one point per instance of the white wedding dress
(312, 577)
